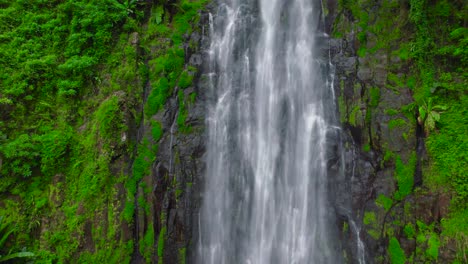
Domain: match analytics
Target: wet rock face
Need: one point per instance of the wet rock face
(178, 170)
(367, 101)
(180, 165)
(172, 190)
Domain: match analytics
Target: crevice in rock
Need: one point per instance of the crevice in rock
(420, 154)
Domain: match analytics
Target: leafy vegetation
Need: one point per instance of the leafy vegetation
(440, 49)
(397, 256)
(72, 81)
(404, 175)
(6, 254)
(161, 243)
(426, 43)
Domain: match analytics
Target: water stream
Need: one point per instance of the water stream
(269, 111)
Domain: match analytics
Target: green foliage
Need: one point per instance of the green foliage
(185, 80)
(20, 156)
(362, 51)
(161, 243)
(141, 167)
(455, 226)
(404, 52)
(397, 255)
(374, 97)
(391, 112)
(182, 255)
(433, 247)
(147, 242)
(156, 130)
(16, 255)
(158, 14)
(395, 123)
(345, 227)
(355, 115)
(183, 113)
(448, 150)
(109, 118)
(404, 175)
(429, 114)
(409, 231)
(192, 98)
(157, 97)
(71, 76)
(6, 231)
(427, 239)
(388, 156)
(395, 81)
(428, 47)
(129, 210)
(54, 146)
(384, 202)
(369, 218)
(366, 147)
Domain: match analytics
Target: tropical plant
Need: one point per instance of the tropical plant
(5, 232)
(429, 114)
(129, 5)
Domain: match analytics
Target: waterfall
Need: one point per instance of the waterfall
(269, 112)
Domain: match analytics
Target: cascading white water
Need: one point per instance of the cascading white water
(265, 199)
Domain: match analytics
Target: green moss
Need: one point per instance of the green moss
(362, 51)
(182, 255)
(183, 114)
(178, 193)
(158, 97)
(455, 226)
(395, 81)
(404, 174)
(433, 247)
(404, 52)
(409, 231)
(366, 147)
(391, 112)
(161, 243)
(193, 97)
(355, 115)
(374, 97)
(185, 80)
(397, 255)
(109, 118)
(71, 77)
(448, 149)
(345, 227)
(397, 123)
(374, 233)
(411, 82)
(147, 242)
(369, 218)
(129, 211)
(156, 130)
(384, 202)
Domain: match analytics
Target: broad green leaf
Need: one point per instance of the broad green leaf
(435, 116)
(422, 112)
(17, 255)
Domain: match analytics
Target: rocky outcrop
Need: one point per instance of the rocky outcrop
(383, 143)
(168, 197)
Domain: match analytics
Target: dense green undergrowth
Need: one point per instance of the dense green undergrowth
(72, 81)
(440, 52)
